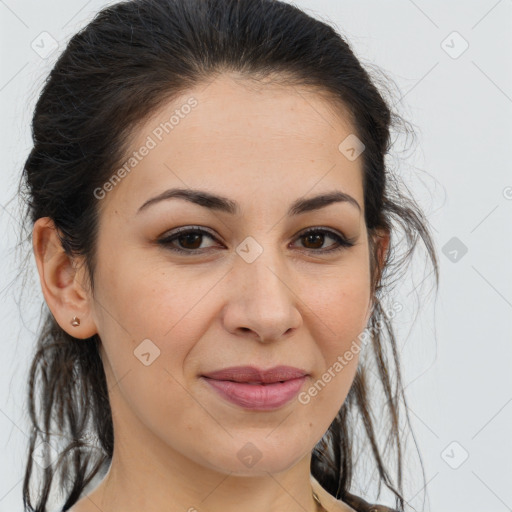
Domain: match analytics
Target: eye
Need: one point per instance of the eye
(188, 237)
(187, 240)
(316, 238)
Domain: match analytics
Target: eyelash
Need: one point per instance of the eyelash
(343, 243)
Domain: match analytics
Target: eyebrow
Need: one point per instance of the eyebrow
(223, 204)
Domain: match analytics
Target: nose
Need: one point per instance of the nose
(261, 301)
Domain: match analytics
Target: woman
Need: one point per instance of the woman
(212, 222)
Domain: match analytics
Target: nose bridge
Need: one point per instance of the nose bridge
(262, 268)
(264, 299)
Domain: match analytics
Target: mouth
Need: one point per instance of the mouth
(256, 389)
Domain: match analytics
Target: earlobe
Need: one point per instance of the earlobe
(61, 281)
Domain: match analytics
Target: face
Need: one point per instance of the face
(259, 283)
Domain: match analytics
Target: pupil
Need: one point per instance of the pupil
(190, 238)
(318, 237)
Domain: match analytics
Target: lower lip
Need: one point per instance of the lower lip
(261, 397)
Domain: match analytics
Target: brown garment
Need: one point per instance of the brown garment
(361, 505)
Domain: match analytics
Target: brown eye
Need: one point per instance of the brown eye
(314, 239)
(188, 240)
(185, 240)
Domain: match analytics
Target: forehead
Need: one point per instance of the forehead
(234, 133)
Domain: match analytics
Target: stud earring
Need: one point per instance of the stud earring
(75, 321)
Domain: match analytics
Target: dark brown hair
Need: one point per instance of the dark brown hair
(129, 60)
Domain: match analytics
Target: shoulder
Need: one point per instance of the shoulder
(350, 503)
(328, 501)
(81, 506)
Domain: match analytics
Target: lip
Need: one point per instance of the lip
(256, 388)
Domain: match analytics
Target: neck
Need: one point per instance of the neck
(129, 490)
(152, 476)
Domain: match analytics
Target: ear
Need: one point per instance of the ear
(382, 238)
(62, 281)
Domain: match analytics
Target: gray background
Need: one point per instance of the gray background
(457, 351)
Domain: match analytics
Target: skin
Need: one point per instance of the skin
(176, 440)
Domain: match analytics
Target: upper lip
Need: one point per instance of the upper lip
(259, 375)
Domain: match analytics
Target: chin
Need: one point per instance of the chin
(254, 459)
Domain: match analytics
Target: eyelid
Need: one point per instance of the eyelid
(186, 229)
(169, 236)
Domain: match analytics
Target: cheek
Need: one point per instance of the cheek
(348, 312)
(340, 300)
(338, 310)
(148, 299)
(140, 307)
(152, 323)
